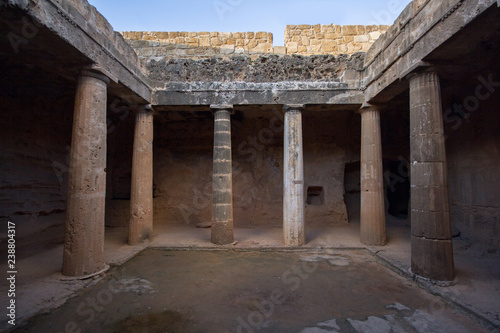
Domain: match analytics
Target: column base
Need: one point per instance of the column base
(222, 233)
(432, 259)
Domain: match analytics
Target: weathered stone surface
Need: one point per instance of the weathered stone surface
(293, 179)
(141, 200)
(430, 218)
(434, 259)
(84, 237)
(373, 229)
(222, 197)
(272, 68)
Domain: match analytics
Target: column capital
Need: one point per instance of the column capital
(144, 108)
(421, 67)
(222, 107)
(98, 72)
(369, 107)
(294, 107)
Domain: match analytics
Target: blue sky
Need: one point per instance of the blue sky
(244, 15)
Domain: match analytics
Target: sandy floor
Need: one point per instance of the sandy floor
(39, 287)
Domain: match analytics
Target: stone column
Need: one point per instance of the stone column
(222, 200)
(372, 178)
(293, 178)
(84, 237)
(431, 244)
(141, 194)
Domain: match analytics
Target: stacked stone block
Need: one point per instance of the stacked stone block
(331, 39)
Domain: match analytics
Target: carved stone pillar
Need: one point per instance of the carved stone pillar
(222, 200)
(141, 195)
(293, 178)
(84, 237)
(432, 249)
(373, 230)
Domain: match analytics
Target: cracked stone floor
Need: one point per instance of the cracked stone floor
(254, 291)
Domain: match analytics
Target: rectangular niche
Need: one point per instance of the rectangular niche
(315, 196)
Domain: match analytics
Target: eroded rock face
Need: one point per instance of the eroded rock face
(271, 68)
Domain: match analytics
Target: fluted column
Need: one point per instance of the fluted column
(222, 200)
(373, 230)
(431, 244)
(84, 237)
(141, 194)
(293, 178)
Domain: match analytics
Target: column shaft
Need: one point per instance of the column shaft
(432, 250)
(84, 237)
(293, 179)
(222, 200)
(373, 230)
(141, 195)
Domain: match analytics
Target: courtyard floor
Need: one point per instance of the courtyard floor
(182, 281)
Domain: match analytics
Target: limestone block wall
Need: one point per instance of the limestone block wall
(200, 45)
(331, 39)
(299, 39)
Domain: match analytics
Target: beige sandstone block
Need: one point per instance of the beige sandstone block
(303, 26)
(302, 49)
(239, 35)
(225, 34)
(305, 41)
(279, 50)
(316, 42)
(375, 35)
(184, 34)
(329, 46)
(327, 28)
(240, 42)
(348, 39)
(214, 34)
(319, 36)
(342, 48)
(371, 28)
(180, 40)
(261, 35)
(292, 47)
(216, 41)
(205, 41)
(361, 39)
(333, 36)
(264, 48)
(252, 44)
(250, 35)
(349, 30)
(295, 33)
(354, 47)
(317, 28)
(297, 39)
(192, 41)
(204, 34)
(173, 34)
(192, 34)
(314, 48)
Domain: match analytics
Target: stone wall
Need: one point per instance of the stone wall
(184, 158)
(200, 45)
(331, 39)
(299, 39)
